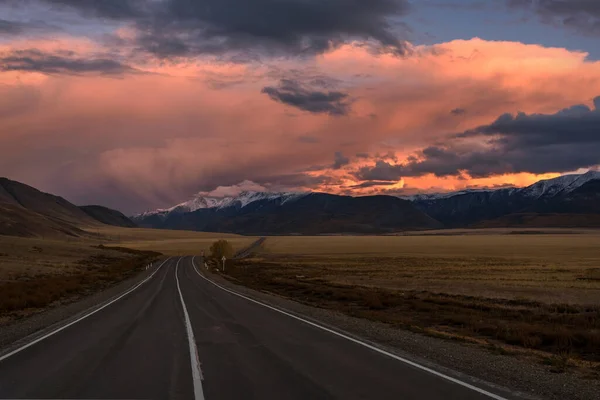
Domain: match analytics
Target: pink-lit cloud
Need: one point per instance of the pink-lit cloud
(135, 140)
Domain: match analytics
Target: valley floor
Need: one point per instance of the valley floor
(533, 295)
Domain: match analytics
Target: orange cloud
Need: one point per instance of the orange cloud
(147, 140)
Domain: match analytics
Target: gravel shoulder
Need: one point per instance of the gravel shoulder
(524, 378)
(17, 333)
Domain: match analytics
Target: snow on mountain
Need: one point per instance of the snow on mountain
(545, 188)
(202, 202)
(563, 184)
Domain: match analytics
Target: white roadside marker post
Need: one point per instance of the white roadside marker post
(223, 259)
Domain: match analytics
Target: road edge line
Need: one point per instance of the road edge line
(354, 340)
(55, 331)
(195, 361)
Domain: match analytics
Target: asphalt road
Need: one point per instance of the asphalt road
(179, 336)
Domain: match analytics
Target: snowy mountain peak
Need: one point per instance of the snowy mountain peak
(206, 202)
(562, 184)
(545, 188)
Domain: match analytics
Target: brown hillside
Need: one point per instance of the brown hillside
(45, 204)
(18, 221)
(26, 211)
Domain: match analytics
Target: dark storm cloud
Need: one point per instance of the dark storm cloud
(381, 171)
(577, 124)
(276, 26)
(296, 95)
(579, 15)
(18, 27)
(184, 27)
(536, 143)
(340, 160)
(60, 63)
(11, 27)
(369, 184)
(113, 9)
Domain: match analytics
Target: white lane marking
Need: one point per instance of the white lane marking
(54, 332)
(196, 372)
(378, 350)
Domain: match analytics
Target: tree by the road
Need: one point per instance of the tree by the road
(221, 248)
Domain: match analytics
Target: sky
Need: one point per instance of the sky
(141, 104)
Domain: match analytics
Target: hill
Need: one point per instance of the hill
(51, 206)
(18, 221)
(26, 211)
(108, 216)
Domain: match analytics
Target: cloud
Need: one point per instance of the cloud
(34, 60)
(370, 184)
(340, 160)
(308, 139)
(579, 15)
(153, 140)
(235, 190)
(458, 111)
(535, 143)
(381, 171)
(182, 27)
(113, 9)
(12, 28)
(294, 94)
(454, 5)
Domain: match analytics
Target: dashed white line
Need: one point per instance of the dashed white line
(367, 345)
(196, 372)
(54, 332)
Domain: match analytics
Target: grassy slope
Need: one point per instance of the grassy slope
(108, 216)
(18, 221)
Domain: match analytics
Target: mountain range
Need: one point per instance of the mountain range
(26, 211)
(559, 202)
(290, 213)
(566, 201)
(569, 200)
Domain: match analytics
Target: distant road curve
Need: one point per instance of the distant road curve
(179, 335)
(250, 249)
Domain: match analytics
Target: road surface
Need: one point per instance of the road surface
(179, 336)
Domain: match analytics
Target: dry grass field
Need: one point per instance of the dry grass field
(515, 292)
(168, 242)
(546, 267)
(38, 273)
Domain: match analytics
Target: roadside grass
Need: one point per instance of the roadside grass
(25, 294)
(553, 328)
(530, 295)
(37, 273)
